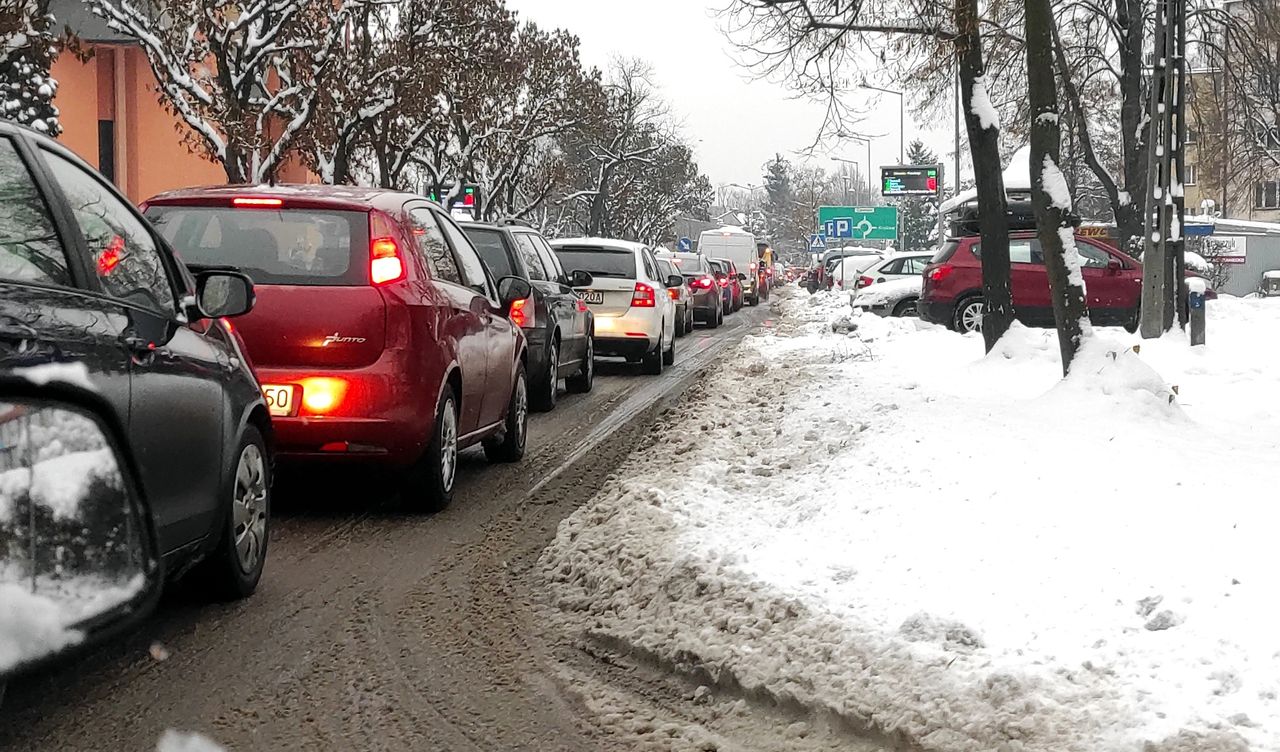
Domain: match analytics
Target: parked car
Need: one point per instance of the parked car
(952, 289)
(681, 295)
(895, 267)
(734, 279)
(556, 323)
(379, 337)
(699, 275)
(846, 271)
(893, 297)
(85, 279)
(738, 246)
(635, 316)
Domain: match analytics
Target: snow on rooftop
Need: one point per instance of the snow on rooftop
(1017, 178)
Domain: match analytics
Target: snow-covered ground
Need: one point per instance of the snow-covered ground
(961, 552)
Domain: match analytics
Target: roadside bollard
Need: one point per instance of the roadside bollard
(1195, 309)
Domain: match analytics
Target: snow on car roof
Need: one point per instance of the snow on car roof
(607, 243)
(1017, 178)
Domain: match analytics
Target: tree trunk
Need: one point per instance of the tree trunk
(234, 164)
(1050, 196)
(984, 145)
(1131, 16)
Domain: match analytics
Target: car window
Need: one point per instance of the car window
(124, 253)
(650, 266)
(549, 259)
(914, 265)
(469, 263)
(1092, 257)
(29, 247)
(1021, 251)
(524, 243)
(432, 248)
(599, 262)
(665, 269)
(492, 249)
(892, 267)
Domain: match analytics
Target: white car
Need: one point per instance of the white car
(895, 267)
(893, 297)
(635, 316)
(847, 271)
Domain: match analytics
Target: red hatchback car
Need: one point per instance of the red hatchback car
(378, 336)
(952, 290)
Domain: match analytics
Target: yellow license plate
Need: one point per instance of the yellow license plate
(282, 399)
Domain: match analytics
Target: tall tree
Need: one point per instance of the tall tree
(244, 76)
(919, 213)
(28, 45)
(813, 43)
(1050, 195)
(780, 199)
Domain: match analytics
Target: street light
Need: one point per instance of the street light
(902, 118)
(867, 141)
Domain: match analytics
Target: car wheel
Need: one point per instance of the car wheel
(510, 447)
(905, 308)
(428, 485)
(679, 325)
(652, 365)
(713, 320)
(582, 381)
(544, 397)
(669, 357)
(688, 321)
(968, 315)
(233, 569)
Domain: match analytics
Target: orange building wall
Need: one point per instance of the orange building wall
(155, 157)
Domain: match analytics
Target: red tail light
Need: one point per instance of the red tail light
(522, 313)
(673, 293)
(643, 297)
(724, 281)
(864, 281)
(246, 202)
(322, 394)
(385, 265)
(941, 272)
(702, 283)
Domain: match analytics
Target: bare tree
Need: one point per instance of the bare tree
(815, 44)
(1050, 194)
(243, 77)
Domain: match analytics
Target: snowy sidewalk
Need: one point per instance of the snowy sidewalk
(965, 553)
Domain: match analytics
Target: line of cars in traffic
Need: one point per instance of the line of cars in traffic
(308, 324)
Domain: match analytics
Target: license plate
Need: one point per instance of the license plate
(282, 400)
(591, 296)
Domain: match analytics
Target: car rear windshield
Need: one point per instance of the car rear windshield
(598, 262)
(492, 250)
(273, 246)
(689, 265)
(945, 252)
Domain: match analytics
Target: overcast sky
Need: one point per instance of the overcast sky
(735, 123)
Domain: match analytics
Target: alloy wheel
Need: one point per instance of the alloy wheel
(448, 445)
(249, 507)
(971, 316)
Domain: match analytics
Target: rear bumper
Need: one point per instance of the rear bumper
(633, 333)
(383, 416)
(706, 304)
(935, 312)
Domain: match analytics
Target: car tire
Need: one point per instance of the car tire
(545, 393)
(669, 357)
(688, 321)
(713, 321)
(652, 364)
(428, 484)
(582, 381)
(229, 572)
(515, 430)
(963, 316)
(906, 308)
(679, 325)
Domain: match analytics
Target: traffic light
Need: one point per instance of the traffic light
(469, 198)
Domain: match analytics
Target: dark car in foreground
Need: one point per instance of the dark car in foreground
(379, 336)
(556, 323)
(87, 283)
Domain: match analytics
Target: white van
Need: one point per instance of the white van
(739, 246)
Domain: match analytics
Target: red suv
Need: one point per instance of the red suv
(952, 291)
(378, 336)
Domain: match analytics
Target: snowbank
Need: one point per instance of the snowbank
(962, 552)
(30, 626)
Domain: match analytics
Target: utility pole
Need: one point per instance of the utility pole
(1163, 286)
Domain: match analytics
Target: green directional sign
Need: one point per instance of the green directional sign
(859, 222)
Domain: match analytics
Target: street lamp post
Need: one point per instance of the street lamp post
(867, 164)
(902, 119)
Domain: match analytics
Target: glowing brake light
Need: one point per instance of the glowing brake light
(258, 203)
(522, 313)
(385, 265)
(111, 256)
(643, 297)
(941, 272)
(702, 283)
(322, 394)
(673, 293)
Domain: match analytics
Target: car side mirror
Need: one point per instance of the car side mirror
(675, 280)
(1114, 265)
(511, 289)
(79, 560)
(223, 292)
(742, 277)
(579, 278)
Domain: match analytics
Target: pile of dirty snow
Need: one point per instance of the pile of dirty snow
(963, 552)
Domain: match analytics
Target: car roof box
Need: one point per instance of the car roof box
(964, 218)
